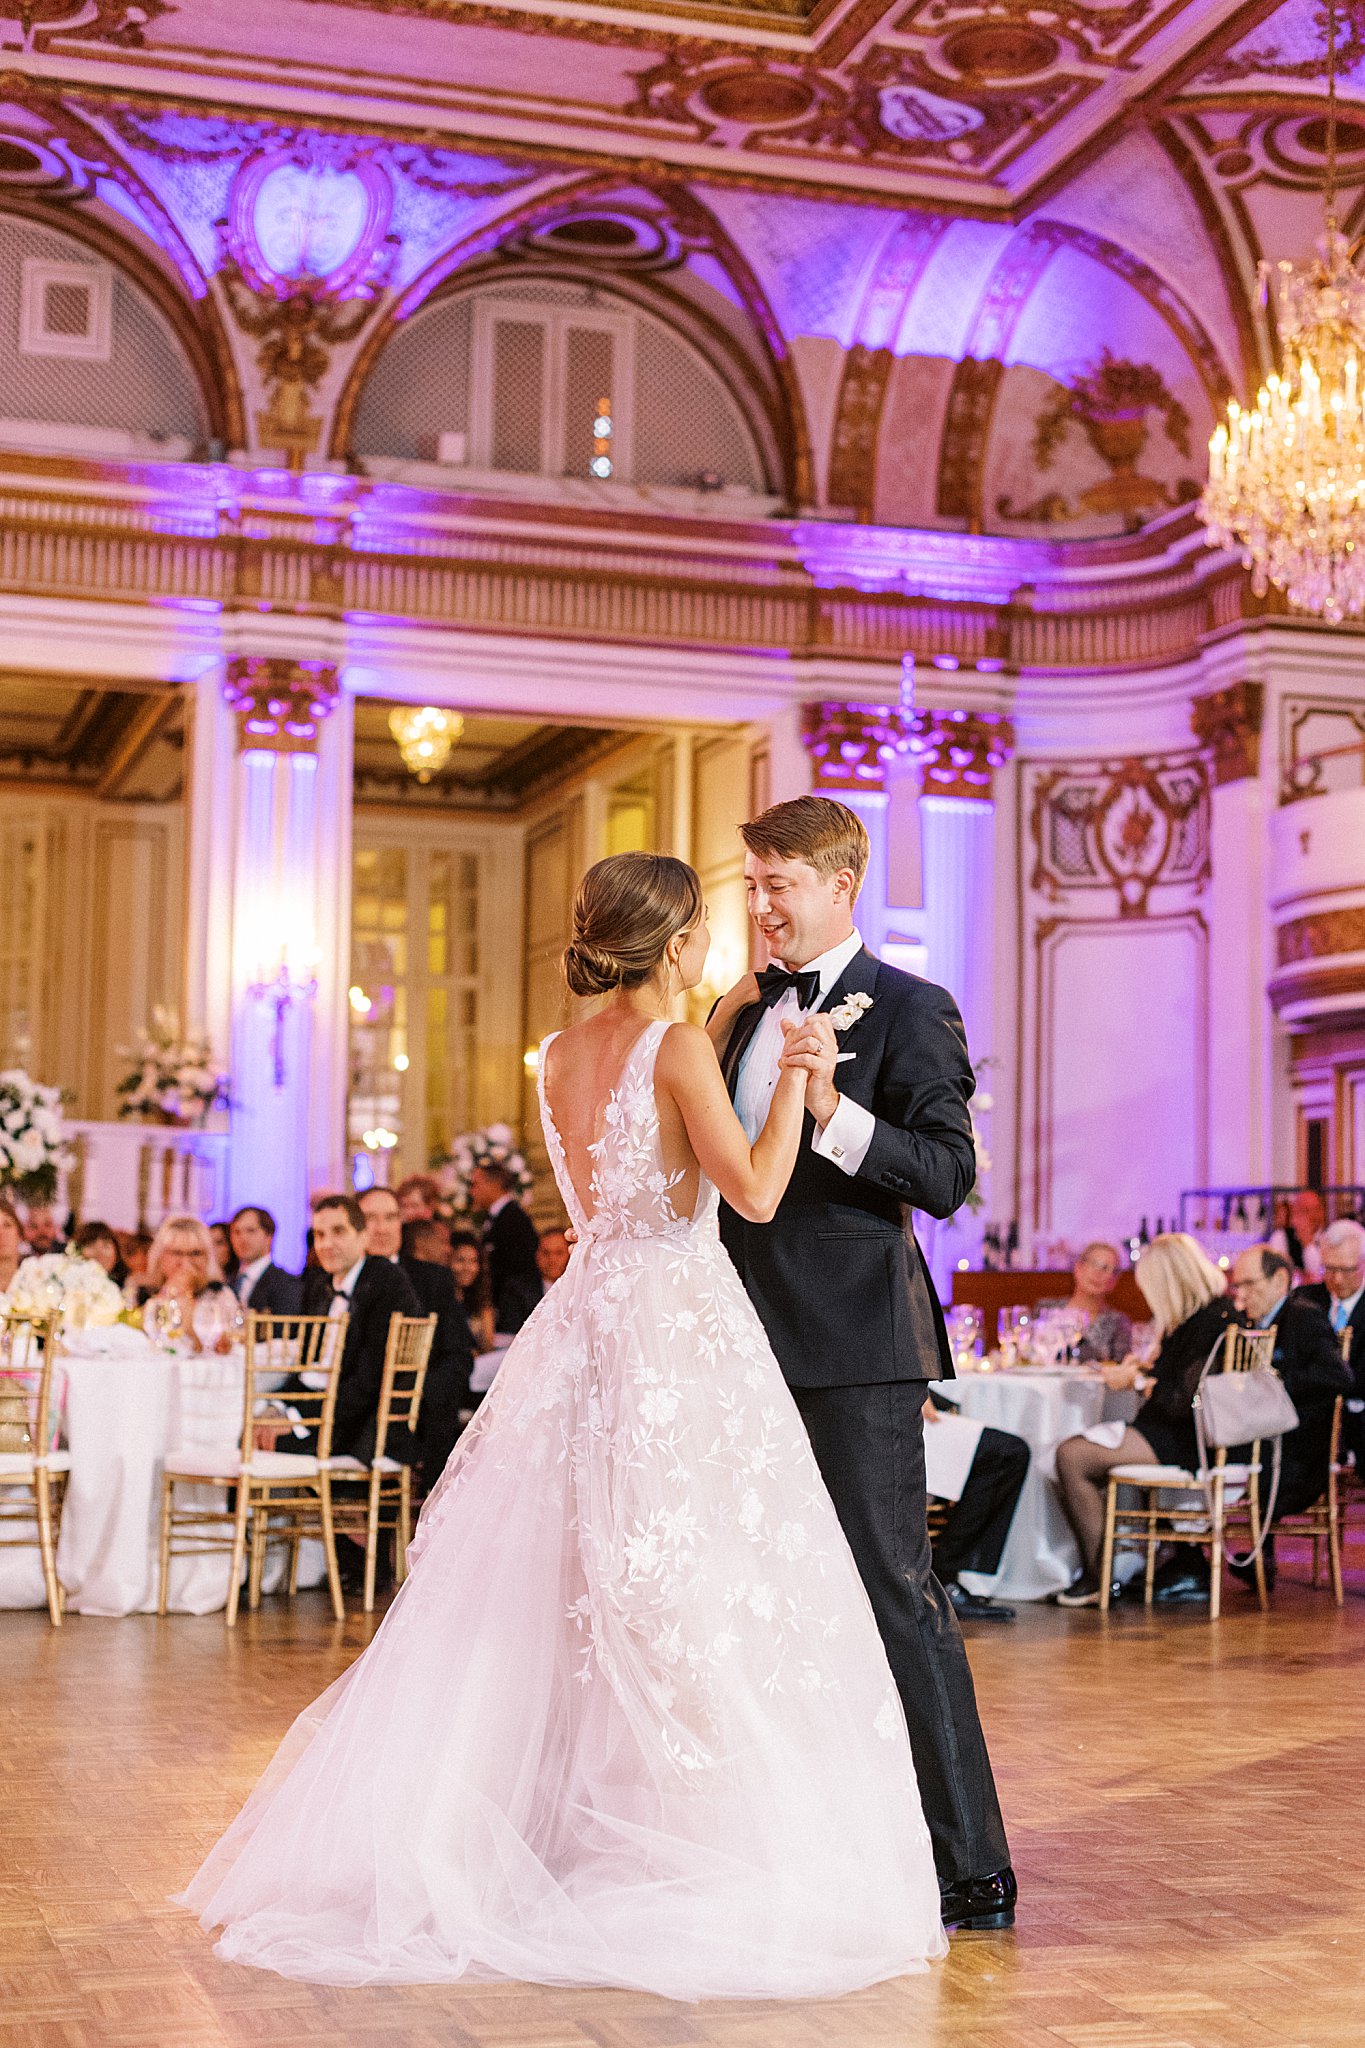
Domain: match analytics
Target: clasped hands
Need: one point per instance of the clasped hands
(810, 1047)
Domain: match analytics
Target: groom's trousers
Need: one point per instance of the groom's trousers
(869, 1445)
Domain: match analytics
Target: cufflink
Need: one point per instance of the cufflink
(836, 1151)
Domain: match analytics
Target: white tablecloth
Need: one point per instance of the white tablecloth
(1042, 1407)
(123, 1413)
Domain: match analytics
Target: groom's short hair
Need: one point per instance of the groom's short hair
(825, 834)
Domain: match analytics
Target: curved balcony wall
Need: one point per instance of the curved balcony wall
(1317, 899)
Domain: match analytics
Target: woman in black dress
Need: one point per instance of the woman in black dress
(1187, 1295)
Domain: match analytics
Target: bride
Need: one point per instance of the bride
(629, 1720)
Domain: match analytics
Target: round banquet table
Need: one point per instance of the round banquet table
(1043, 1407)
(126, 1405)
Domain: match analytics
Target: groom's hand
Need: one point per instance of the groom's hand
(813, 1046)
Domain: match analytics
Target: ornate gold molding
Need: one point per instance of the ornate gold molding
(1320, 936)
(1228, 723)
(852, 745)
(280, 704)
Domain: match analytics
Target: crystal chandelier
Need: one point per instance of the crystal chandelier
(1287, 475)
(425, 737)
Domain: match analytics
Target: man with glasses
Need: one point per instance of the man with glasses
(1341, 1294)
(1308, 1360)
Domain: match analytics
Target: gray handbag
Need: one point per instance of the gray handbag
(1247, 1406)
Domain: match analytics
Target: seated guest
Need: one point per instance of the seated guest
(136, 1247)
(552, 1256)
(11, 1244)
(469, 1268)
(978, 1525)
(452, 1351)
(417, 1196)
(349, 1280)
(510, 1239)
(1308, 1360)
(182, 1268)
(1342, 1296)
(1187, 1295)
(259, 1283)
(97, 1241)
(221, 1233)
(42, 1232)
(1108, 1332)
(1296, 1238)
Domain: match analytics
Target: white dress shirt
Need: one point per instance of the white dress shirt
(847, 1135)
(346, 1286)
(247, 1276)
(1342, 1311)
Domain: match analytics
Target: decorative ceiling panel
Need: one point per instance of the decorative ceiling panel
(973, 103)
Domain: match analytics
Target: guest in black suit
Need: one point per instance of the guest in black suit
(259, 1283)
(842, 1287)
(511, 1240)
(452, 1352)
(977, 1529)
(372, 1291)
(1308, 1360)
(1341, 1296)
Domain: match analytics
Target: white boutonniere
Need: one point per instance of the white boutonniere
(847, 1013)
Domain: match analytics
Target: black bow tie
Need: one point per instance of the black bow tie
(340, 1294)
(774, 982)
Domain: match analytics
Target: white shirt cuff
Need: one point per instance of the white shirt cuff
(847, 1136)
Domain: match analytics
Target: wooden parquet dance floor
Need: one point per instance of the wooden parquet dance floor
(1185, 1806)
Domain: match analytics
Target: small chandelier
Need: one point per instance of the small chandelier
(425, 737)
(1287, 475)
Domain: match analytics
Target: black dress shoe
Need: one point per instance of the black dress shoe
(980, 1905)
(975, 1606)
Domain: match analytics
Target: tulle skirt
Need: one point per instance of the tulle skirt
(628, 1721)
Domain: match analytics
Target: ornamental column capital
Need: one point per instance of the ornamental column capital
(853, 745)
(1228, 723)
(280, 703)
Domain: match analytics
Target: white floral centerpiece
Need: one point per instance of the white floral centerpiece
(32, 1149)
(63, 1282)
(173, 1080)
(494, 1145)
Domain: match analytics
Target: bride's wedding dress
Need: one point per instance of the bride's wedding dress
(629, 1721)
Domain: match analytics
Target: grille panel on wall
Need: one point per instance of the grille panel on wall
(471, 366)
(518, 407)
(144, 385)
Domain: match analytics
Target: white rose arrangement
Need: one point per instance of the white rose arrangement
(494, 1145)
(845, 1015)
(63, 1282)
(173, 1080)
(32, 1149)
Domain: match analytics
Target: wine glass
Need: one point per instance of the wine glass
(163, 1321)
(212, 1317)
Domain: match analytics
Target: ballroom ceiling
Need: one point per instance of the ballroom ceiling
(498, 764)
(984, 106)
(78, 733)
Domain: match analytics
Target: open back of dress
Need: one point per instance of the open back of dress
(629, 1720)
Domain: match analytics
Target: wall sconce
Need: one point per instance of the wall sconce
(282, 991)
(425, 736)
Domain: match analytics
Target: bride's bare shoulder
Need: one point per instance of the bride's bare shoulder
(686, 1053)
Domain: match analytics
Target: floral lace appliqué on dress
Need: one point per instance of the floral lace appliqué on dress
(629, 1720)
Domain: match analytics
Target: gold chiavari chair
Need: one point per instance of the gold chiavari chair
(292, 1367)
(1322, 1521)
(33, 1473)
(388, 1501)
(1154, 1521)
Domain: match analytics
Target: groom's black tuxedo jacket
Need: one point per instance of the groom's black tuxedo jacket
(838, 1280)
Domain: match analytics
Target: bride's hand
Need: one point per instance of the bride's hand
(812, 1047)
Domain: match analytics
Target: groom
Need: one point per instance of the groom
(843, 1291)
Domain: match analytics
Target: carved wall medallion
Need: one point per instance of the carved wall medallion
(295, 333)
(1228, 723)
(280, 704)
(1128, 826)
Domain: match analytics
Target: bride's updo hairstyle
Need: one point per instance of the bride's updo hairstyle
(627, 909)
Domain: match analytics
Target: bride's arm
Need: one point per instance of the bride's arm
(727, 1009)
(752, 1179)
